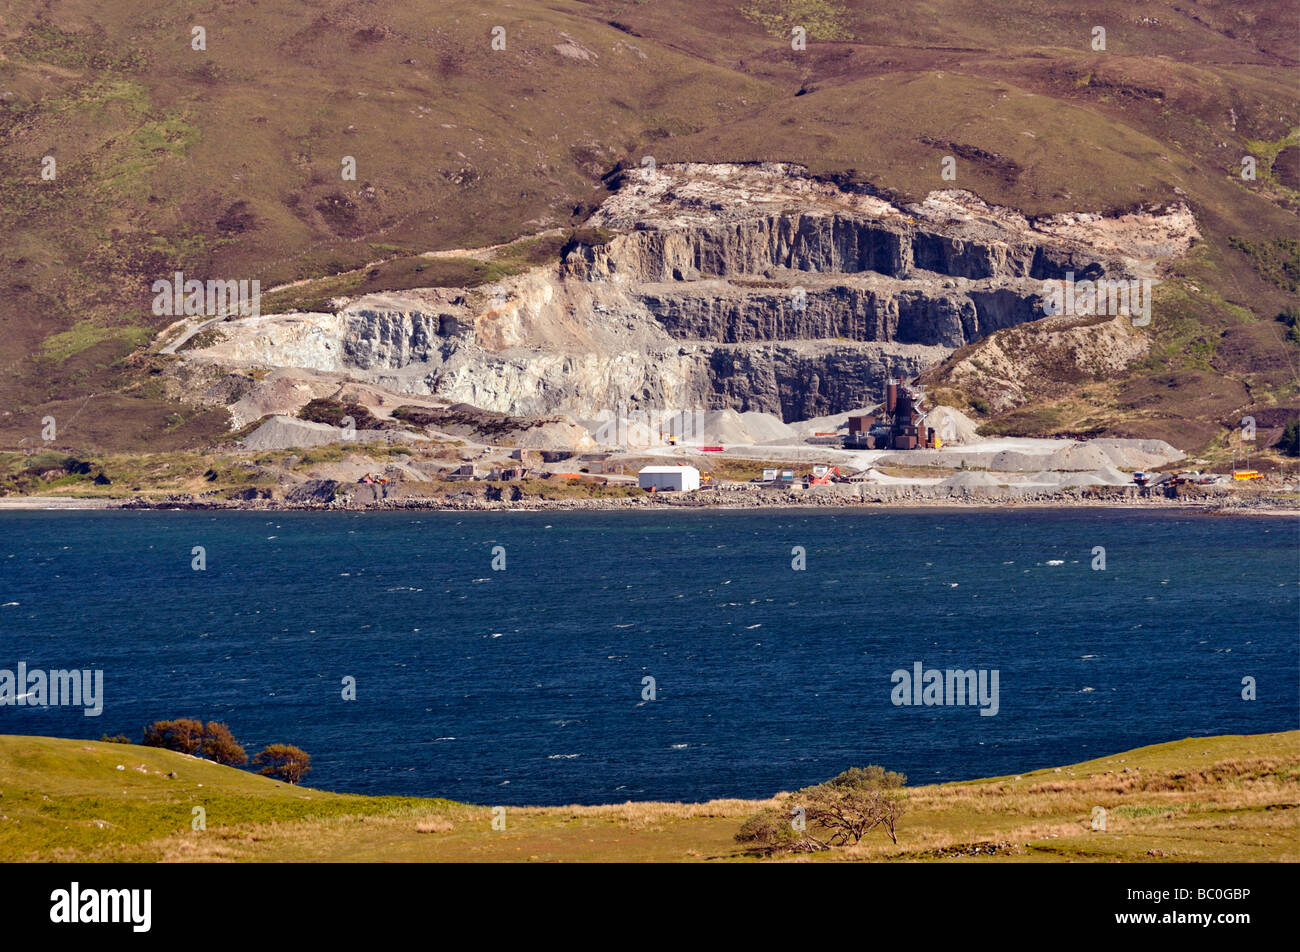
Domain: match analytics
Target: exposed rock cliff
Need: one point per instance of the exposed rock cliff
(748, 287)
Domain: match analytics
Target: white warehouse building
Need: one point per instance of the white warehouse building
(678, 479)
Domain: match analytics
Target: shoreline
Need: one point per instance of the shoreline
(785, 502)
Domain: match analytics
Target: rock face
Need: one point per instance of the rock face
(910, 312)
(817, 243)
(755, 288)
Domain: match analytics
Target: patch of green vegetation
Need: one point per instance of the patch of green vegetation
(204, 338)
(172, 134)
(329, 453)
(1141, 811)
(236, 474)
(1182, 338)
(151, 796)
(1268, 150)
(737, 469)
(86, 334)
(313, 296)
(399, 274)
(1045, 421)
(558, 488)
(1276, 259)
(129, 94)
(49, 44)
(531, 252)
(334, 412)
(823, 19)
(45, 472)
(150, 143)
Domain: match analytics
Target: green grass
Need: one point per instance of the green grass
(86, 334)
(1277, 259)
(1201, 799)
(557, 488)
(823, 20)
(70, 797)
(1268, 150)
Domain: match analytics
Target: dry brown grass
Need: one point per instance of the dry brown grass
(435, 825)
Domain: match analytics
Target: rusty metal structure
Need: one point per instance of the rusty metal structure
(896, 427)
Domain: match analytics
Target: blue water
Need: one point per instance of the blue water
(525, 685)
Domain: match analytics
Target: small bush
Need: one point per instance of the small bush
(773, 831)
(332, 412)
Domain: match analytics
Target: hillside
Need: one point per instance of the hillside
(1229, 798)
(225, 163)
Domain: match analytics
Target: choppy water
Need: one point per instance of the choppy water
(526, 685)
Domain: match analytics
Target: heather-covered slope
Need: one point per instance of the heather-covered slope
(225, 163)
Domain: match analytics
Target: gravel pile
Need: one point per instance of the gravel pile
(952, 426)
(282, 433)
(767, 428)
(1012, 461)
(1119, 454)
(972, 479)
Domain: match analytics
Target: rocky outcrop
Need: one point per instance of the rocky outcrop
(744, 287)
(799, 383)
(913, 312)
(816, 243)
(312, 491)
(381, 337)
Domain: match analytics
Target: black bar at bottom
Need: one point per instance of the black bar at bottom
(910, 901)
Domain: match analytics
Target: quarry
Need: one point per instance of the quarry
(752, 288)
(741, 320)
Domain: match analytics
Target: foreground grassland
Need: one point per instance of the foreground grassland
(1230, 798)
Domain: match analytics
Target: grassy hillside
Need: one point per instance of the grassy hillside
(226, 162)
(1230, 798)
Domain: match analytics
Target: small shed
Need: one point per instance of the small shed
(669, 478)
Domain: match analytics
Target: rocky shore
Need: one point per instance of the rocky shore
(325, 495)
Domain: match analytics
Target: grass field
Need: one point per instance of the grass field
(1225, 799)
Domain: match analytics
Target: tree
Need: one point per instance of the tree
(1290, 316)
(220, 745)
(835, 813)
(284, 762)
(866, 797)
(184, 735)
(1290, 441)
